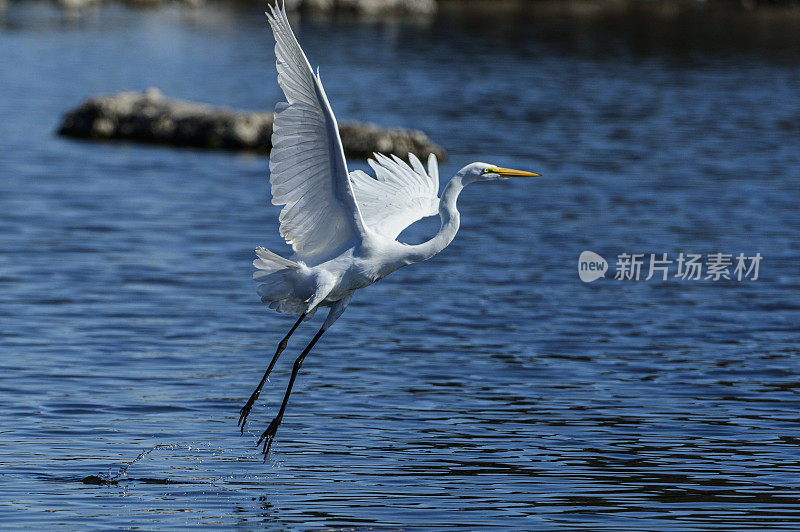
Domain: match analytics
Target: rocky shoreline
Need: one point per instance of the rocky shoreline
(428, 8)
(150, 117)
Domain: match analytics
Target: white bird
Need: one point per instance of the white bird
(342, 225)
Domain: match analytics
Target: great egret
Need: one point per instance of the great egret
(342, 225)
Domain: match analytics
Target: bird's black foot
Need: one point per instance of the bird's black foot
(245, 411)
(268, 436)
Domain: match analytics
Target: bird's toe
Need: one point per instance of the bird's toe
(267, 437)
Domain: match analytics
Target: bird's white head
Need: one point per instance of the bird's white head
(489, 172)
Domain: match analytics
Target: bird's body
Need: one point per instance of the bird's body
(342, 226)
(292, 288)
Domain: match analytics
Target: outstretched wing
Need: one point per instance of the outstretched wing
(308, 172)
(398, 195)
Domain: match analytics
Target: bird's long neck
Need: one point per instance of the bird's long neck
(451, 220)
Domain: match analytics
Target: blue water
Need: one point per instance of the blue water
(488, 387)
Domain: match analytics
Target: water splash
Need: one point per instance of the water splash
(111, 478)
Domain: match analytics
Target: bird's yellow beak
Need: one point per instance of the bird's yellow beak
(508, 172)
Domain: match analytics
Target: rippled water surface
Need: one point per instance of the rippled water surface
(488, 387)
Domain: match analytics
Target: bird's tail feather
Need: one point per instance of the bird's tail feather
(277, 276)
(269, 262)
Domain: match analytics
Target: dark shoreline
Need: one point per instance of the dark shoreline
(575, 8)
(675, 27)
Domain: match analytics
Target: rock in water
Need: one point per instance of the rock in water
(150, 117)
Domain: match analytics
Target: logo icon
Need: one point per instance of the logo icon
(591, 266)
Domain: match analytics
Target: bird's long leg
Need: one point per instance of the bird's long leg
(268, 435)
(245, 411)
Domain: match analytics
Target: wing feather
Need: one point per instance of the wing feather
(398, 195)
(308, 173)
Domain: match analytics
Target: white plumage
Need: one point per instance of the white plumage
(398, 195)
(308, 172)
(342, 225)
